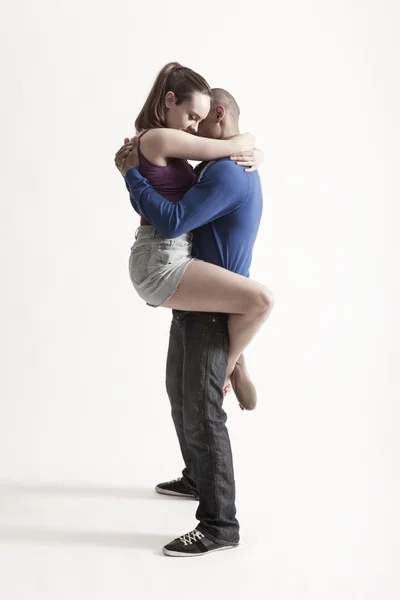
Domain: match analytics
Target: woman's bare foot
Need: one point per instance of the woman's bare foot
(243, 387)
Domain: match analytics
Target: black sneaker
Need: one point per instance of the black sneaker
(194, 543)
(176, 487)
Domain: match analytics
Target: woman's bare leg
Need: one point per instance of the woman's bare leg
(208, 288)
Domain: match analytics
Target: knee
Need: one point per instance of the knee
(263, 300)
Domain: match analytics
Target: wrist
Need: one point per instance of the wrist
(126, 171)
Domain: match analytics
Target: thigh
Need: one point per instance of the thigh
(208, 288)
(206, 345)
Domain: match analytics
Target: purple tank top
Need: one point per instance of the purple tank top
(171, 181)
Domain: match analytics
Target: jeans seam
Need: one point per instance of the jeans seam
(206, 393)
(182, 327)
(175, 335)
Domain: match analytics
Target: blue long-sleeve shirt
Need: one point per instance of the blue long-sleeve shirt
(223, 210)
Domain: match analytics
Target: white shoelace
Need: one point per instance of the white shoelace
(192, 536)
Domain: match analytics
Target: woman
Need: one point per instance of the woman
(164, 272)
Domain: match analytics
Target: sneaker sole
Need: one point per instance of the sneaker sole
(184, 555)
(171, 493)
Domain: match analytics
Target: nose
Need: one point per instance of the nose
(193, 128)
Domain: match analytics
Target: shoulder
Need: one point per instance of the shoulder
(227, 172)
(162, 139)
(225, 166)
(154, 142)
(150, 135)
(161, 133)
(155, 136)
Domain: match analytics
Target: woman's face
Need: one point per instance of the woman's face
(187, 116)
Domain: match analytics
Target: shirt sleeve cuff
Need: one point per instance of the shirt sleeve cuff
(133, 176)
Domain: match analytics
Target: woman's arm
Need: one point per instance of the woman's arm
(173, 143)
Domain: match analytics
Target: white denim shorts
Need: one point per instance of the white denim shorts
(157, 264)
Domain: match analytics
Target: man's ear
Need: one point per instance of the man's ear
(220, 112)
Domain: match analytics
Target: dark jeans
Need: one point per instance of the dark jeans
(196, 366)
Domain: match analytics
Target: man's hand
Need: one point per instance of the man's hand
(251, 159)
(127, 156)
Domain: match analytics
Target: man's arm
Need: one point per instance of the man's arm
(133, 202)
(222, 189)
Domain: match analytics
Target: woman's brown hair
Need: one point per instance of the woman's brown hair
(172, 78)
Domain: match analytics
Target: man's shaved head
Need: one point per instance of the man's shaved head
(220, 96)
(222, 122)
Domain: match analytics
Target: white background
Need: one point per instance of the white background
(85, 429)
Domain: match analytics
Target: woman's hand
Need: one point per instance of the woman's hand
(251, 159)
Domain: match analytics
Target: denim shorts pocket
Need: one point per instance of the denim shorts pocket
(179, 243)
(171, 251)
(139, 263)
(165, 254)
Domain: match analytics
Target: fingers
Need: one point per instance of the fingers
(242, 155)
(128, 145)
(123, 152)
(129, 149)
(250, 163)
(245, 159)
(119, 163)
(120, 157)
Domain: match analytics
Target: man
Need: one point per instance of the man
(198, 347)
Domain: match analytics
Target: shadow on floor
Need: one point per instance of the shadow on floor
(36, 535)
(10, 487)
